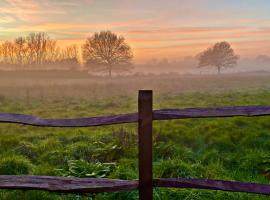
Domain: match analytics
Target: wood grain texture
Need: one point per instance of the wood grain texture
(93, 185)
(64, 184)
(145, 123)
(248, 111)
(164, 114)
(231, 186)
(79, 122)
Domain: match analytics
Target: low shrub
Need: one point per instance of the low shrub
(15, 165)
(82, 168)
(27, 149)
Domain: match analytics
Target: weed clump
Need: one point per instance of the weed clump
(15, 165)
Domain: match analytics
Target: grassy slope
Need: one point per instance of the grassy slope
(229, 149)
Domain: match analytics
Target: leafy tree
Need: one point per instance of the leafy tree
(106, 52)
(221, 55)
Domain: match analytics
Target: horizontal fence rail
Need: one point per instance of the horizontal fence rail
(65, 185)
(231, 186)
(95, 185)
(145, 184)
(79, 122)
(164, 114)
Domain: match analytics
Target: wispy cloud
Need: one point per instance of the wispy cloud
(6, 19)
(153, 27)
(30, 10)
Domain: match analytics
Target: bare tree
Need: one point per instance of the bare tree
(107, 52)
(70, 52)
(37, 49)
(37, 45)
(20, 50)
(52, 52)
(8, 53)
(221, 55)
(69, 57)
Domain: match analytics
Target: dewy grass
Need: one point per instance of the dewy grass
(229, 149)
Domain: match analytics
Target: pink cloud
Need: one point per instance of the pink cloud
(29, 10)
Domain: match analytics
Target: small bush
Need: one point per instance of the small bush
(173, 169)
(82, 150)
(127, 169)
(124, 138)
(48, 144)
(45, 169)
(56, 157)
(107, 152)
(27, 149)
(7, 143)
(82, 168)
(177, 168)
(164, 150)
(15, 165)
(78, 138)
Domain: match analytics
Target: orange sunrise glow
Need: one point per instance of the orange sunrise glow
(154, 29)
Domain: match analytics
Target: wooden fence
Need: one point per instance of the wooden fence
(145, 184)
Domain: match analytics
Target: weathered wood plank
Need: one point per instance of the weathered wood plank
(232, 186)
(93, 185)
(64, 184)
(164, 114)
(79, 122)
(249, 111)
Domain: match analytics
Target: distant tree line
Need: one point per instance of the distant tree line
(36, 49)
(104, 52)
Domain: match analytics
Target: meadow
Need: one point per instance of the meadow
(225, 148)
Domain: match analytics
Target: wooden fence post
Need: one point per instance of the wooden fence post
(145, 120)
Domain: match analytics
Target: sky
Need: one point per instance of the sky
(169, 29)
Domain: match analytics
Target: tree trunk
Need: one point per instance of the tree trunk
(110, 71)
(219, 69)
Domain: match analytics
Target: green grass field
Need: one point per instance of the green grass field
(228, 149)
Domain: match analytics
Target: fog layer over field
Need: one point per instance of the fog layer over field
(189, 65)
(61, 84)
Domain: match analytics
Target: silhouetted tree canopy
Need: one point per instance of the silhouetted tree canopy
(106, 52)
(221, 55)
(36, 50)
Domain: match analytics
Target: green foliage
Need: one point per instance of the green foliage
(126, 169)
(96, 151)
(27, 149)
(48, 145)
(82, 150)
(225, 148)
(45, 169)
(177, 168)
(56, 157)
(15, 165)
(81, 168)
(164, 150)
(107, 152)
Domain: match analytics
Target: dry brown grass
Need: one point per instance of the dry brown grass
(56, 84)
